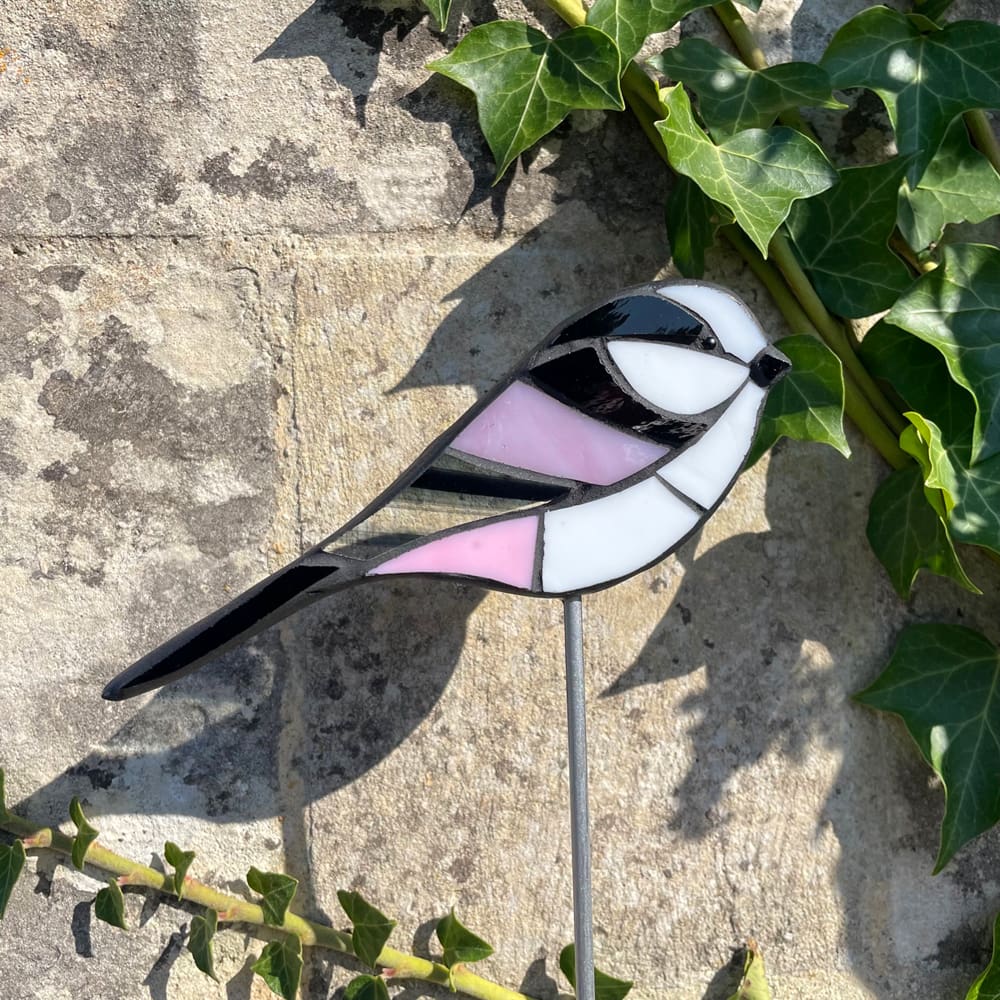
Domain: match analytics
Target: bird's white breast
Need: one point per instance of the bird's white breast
(606, 539)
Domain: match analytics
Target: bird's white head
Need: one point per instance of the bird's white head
(717, 347)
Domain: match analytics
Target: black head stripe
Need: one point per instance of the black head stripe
(644, 316)
(581, 380)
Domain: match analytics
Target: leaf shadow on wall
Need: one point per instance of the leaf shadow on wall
(349, 38)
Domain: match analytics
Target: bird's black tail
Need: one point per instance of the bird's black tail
(309, 578)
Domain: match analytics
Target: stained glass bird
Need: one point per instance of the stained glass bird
(597, 456)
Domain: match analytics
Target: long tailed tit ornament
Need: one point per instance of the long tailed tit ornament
(596, 457)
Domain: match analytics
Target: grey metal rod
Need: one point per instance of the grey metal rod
(579, 813)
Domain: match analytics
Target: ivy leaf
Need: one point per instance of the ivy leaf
(605, 987)
(85, 833)
(732, 97)
(692, 221)
(987, 986)
(628, 22)
(956, 309)
(280, 966)
(181, 862)
(922, 439)
(12, 858)
(371, 927)
(918, 374)
(753, 985)
(933, 8)
(199, 942)
(366, 988)
(944, 682)
(753, 5)
(276, 892)
(440, 9)
(756, 174)
(526, 83)
(842, 238)
(924, 80)
(459, 943)
(976, 516)
(908, 534)
(109, 905)
(808, 403)
(960, 185)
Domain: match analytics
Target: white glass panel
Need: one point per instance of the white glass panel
(678, 379)
(705, 470)
(728, 317)
(609, 538)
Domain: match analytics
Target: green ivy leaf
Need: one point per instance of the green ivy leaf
(944, 682)
(459, 943)
(923, 441)
(753, 985)
(987, 986)
(276, 892)
(956, 309)
(756, 174)
(733, 97)
(808, 403)
(199, 942)
(842, 238)
(366, 988)
(526, 83)
(12, 858)
(280, 966)
(933, 8)
(605, 987)
(181, 862)
(692, 221)
(918, 374)
(753, 5)
(925, 80)
(109, 905)
(371, 927)
(85, 833)
(975, 518)
(960, 185)
(628, 22)
(908, 534)
(440, 9)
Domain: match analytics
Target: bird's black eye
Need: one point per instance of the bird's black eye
(709, 343)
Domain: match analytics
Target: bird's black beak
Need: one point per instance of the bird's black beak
(768, 367)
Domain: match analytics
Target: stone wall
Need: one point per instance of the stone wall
(251, 261)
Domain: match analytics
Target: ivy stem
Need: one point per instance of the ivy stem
(984, 137)
(832, 332)
(571, 11)
(856, 404)
(738, 30)
(232, 909)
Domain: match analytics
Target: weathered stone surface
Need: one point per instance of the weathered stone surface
(251, 262)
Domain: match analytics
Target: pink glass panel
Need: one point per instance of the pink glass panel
(527, 429)
(503, 551)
